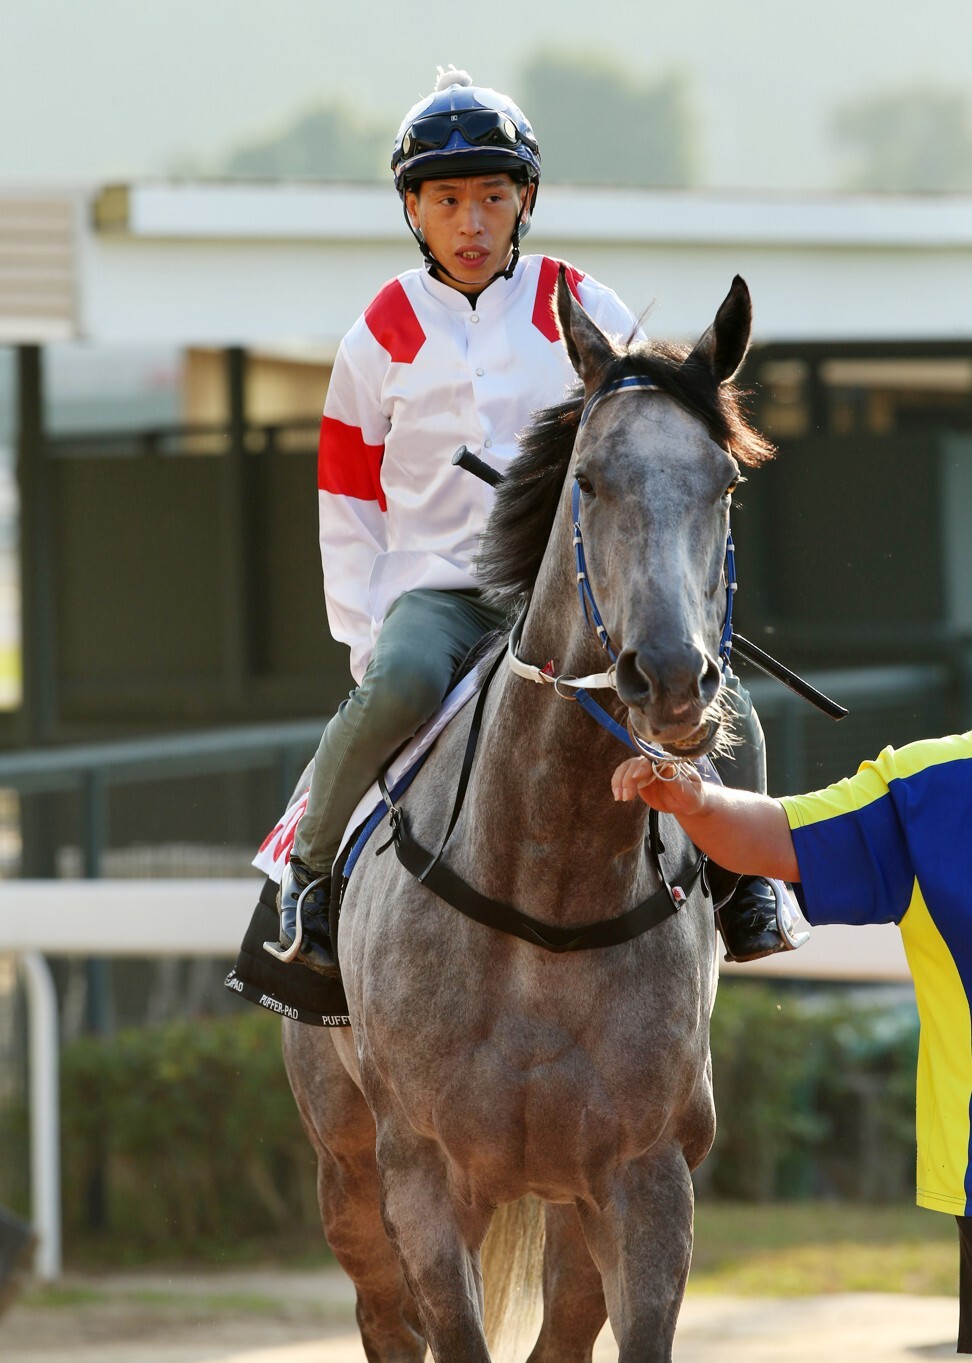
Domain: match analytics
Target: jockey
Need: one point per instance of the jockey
(460, 352)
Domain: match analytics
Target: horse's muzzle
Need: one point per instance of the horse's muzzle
(670, 696)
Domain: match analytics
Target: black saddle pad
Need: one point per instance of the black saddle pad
(292, 991)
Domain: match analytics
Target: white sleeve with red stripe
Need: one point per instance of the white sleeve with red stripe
(352, 505)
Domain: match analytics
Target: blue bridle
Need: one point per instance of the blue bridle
(592, 615)
(748, 650)
(632, 383)
(589, 606)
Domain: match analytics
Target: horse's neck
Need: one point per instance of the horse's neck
(541, 816)
(553, 759)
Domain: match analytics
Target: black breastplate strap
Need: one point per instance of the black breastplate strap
(427, 868)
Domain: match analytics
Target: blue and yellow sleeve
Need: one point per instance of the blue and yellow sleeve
(861, 843)
(855, 865)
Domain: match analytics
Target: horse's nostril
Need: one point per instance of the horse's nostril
(711, 679)
(635, 685)
(680, 679)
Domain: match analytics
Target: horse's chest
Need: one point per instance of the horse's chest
(533, 1072)
(528, 1107)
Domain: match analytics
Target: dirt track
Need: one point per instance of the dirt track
(255, 1317)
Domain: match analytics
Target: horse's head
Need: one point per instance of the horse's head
(656, 459)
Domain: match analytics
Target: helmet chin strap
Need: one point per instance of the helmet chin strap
(436, 266)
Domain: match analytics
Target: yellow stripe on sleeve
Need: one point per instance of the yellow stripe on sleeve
(873, 778)
(944, 1064)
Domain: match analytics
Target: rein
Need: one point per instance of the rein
(428, 867)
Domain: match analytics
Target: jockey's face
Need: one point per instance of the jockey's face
(468, 225)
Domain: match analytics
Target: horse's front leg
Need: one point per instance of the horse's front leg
(342, 1131)
(642, 1243)
(438, 1239)
(573, 1296)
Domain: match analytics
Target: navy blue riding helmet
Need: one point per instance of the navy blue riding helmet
(465, 129)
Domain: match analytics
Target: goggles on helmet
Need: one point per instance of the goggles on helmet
(478, 127)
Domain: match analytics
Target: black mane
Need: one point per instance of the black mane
(519, 527)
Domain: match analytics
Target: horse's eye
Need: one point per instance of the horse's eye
(585, 485)
(731, 488)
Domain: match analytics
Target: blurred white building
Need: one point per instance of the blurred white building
(243, 264)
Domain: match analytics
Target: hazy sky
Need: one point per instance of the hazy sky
(95, 89)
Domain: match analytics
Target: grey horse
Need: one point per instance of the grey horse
(480, 1068)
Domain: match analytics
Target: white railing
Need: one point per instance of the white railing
(208, 918)
(98, 918)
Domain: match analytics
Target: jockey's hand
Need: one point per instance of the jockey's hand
(684, 794)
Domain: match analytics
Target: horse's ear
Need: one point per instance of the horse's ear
(723, 347)
(589, 349)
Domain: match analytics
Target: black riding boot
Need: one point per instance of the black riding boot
(756, 917)
(304, 903)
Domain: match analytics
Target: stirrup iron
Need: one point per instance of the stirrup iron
(289, 953)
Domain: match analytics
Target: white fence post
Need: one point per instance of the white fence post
(45, 1155)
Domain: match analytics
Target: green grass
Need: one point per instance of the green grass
(197, 1304)
(808, 1248)
(305, 1248)
(789, 1249)
(56, 1298)
(210, 1303)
